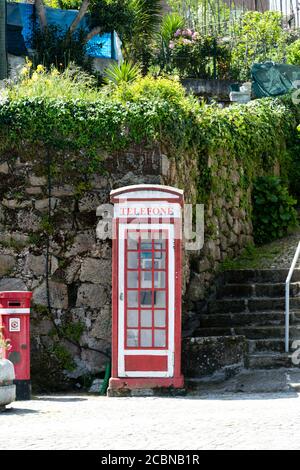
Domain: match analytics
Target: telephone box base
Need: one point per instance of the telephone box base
(145, 386)
(23, 390)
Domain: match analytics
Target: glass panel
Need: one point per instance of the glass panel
(146, 318)
(132, 318)
(132, 279)
(146, 297)
(160, 299)
(132, 260)
(146, 279)
(132, 338)
(132, 240)
(146, 263)
(160, 318)
(132, 298)
(146, 245)
(146, 338)
(160, 338)
(159, 279)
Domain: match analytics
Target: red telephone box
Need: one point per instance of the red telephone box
(15, 317)
(147, 245)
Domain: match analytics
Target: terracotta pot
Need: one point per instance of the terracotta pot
(7, 387)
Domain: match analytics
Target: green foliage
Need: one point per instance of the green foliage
(273, 209)
(64, 4)
(170, 24)
(192, 54)
(258, 37)
(79, 124)
(55, 47)
(123, 73)
(63, 356)
(71, 84)
(293, 53)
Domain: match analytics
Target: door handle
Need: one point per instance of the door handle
(121, 296)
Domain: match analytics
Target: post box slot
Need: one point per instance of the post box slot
(14, 304)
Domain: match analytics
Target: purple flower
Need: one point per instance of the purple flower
(195, 36)
(188, 32)
(171, 45)
(178, 33)
(186, 41)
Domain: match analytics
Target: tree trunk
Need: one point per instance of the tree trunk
(83, 9)
(3, 55)
(41, 13)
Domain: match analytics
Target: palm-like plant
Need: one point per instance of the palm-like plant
(123, 73)
(170, 24)
(146, 19)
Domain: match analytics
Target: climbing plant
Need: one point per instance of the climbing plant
(273, 209)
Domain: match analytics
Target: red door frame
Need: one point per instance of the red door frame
(147, 382)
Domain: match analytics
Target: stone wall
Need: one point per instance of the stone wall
(69, 270)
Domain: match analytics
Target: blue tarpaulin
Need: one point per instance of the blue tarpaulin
(22, 15)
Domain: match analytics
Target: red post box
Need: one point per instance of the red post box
(146, 290)
(15, 317)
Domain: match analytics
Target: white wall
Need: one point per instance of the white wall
(288, 7)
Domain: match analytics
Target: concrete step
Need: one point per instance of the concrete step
(238, 291)
(254, 304)
(248, 381)
(271, 344)
(270, 360)
(239, 276)
(250, 332)
(243, 319)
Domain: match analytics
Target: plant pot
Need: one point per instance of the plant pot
(7, 387)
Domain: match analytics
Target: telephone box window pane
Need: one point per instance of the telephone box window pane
(160, 299)
(132, 260)
(146, 318)
(146, 246)
(160, 318)
(132, 241)
(132, 298)
(132, 279)
(159, 279)
(146, 338)
(132, 338)
(146, 297)
(160, 338)
(146, 279)
(132, 318)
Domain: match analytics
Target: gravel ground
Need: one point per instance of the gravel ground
(233, 421)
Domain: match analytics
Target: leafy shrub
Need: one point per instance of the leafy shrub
(273, 209)
(258, 37)
(293, 53)
(73, 83)
(55, 47)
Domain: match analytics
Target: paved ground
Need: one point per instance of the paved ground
(232, 421)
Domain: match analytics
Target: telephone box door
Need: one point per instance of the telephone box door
(146, 301)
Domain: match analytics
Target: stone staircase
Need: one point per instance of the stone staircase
(251, 303)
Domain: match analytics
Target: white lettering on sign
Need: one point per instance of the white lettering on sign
(147, 210)
(14, 324)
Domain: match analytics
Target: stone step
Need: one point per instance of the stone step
(271, 344)
(243, 319)
(240, 276)
(248, 381)
(257, 290)
(270, 360)
(227, 305)
(250, 332)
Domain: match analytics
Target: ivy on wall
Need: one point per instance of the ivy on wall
(80, 131)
